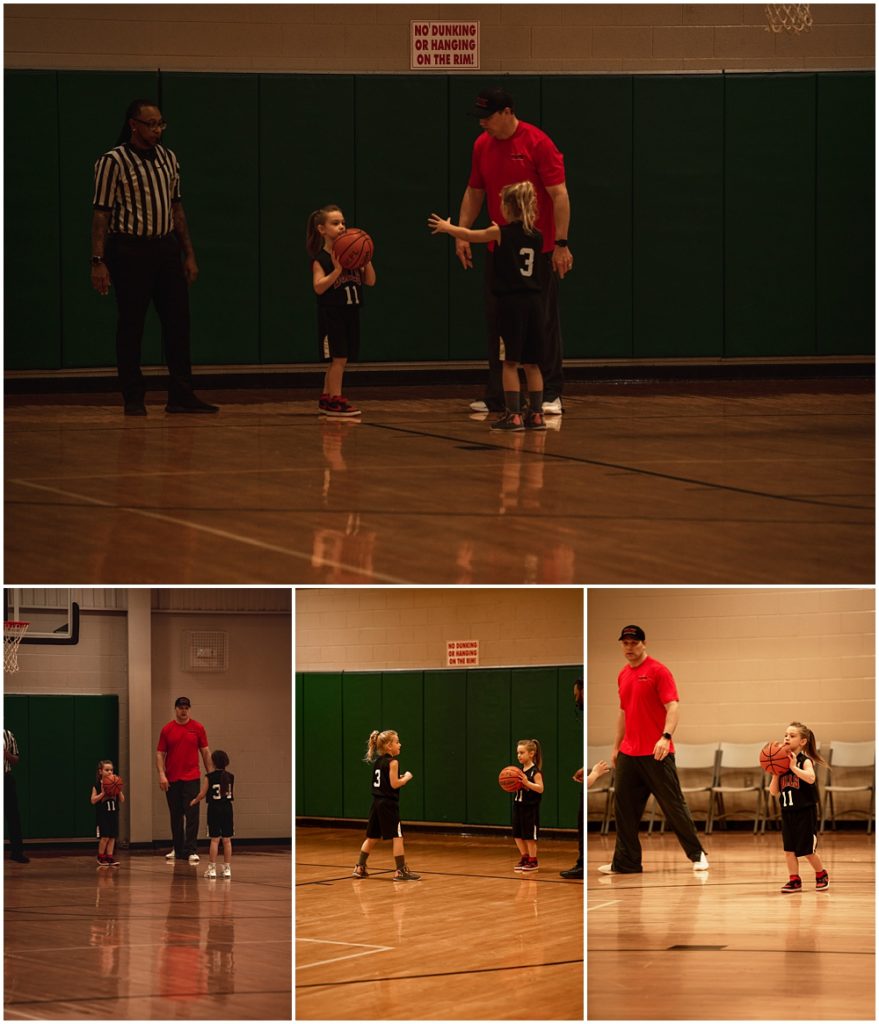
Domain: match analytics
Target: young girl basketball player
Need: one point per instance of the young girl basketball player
(798, 793)
(107, 814)
(218, 787)
(384, 818)
(516, 265)
(526, 803)
(338, 305)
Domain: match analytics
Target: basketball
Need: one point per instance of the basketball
(354, 249)
(509, 779)
(112, 785)
(775, 758)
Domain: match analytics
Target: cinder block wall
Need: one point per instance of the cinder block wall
(746, 662)
(356, 630)
(538, 38)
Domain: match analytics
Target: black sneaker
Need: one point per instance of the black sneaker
(403, 874)
(135, 409)
(575, 872)
(20, 858)
(510, 422)
(191, 404)
(794, 885)
(360, 871)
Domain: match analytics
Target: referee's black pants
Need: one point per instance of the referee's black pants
(184, 819)
(634, 780)
(12, 815)
(144, 270)
(551, 364)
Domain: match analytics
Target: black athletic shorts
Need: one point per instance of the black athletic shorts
(220, 820)
(799, 830)
(108, 823)
(338, 332)
(520, 327)
(526, 821)
(384, 820)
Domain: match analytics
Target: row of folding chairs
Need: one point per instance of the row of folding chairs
(720, 769)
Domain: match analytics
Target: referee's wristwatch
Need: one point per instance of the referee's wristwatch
(97, 260)
(666, 735)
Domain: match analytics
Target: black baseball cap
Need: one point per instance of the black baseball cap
(183, 702)
(490, 101)
(632, 633)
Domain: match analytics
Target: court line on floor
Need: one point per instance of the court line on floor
(601, 906)
(441, 974)
(337, 959)
(652, 473)
(212, 531)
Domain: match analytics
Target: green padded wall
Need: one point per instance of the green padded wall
(590, 120)
(458, 728)
(845, 267)
(32, 294)
(711, 215)
(61, 739)
(770, 215)
(678, 211)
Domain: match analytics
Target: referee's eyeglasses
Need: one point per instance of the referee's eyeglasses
(151, 124)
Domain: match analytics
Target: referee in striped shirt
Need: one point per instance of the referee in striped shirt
(141, 246)
(11, 758)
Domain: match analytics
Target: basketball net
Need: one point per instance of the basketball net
(788, 18)
(12, 634)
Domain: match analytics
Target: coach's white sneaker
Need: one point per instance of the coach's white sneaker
(193, 858)
(607, 869)
(553, 408)
(701, 864)
(170, 856)
(479, 406)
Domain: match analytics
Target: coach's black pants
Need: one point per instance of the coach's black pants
(12, 815)
(184, 819)
(551, 364)
(635, 779)
(144, 270)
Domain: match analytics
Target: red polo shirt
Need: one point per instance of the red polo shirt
(644, 692)
(182, 744)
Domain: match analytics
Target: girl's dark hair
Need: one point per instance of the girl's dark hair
(811, 748)
(134, 109)
(314, 241)
(536, 754)
(99, 773)
(220, 759)
(579, 684)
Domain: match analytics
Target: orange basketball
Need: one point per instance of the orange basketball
(775, 758)
(510, 779)
(112, 785)
(354, 249)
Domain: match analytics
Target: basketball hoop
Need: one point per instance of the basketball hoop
(788, 18)
(12, 634)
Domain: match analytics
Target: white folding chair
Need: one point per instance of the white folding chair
(603, 788)
(739, 758)
(698, 763)
(844, 756)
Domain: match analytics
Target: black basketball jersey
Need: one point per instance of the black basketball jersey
(516, 264)
(221, 786)
(527, 796)
(346, 290)
(381, 778)
(106, 810)
(795, 793)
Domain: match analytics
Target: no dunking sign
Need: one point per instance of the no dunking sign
(463, 652)
(449, 45)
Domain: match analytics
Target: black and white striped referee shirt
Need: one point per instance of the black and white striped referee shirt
(138, 188)
(11, 746)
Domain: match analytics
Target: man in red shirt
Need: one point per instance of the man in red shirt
(643, 756)
(509, 151)
(180, 743)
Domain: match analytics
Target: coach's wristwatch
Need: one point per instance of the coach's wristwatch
(666, 735)
(96, 260)
(562, 243)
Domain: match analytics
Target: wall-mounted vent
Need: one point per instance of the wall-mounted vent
(205, 651)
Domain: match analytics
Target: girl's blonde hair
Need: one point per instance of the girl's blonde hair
(533, 746)
(314, 240)
(378, 744)
(521, 200)
(811, 748)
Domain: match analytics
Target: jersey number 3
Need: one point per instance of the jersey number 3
(526, 268)
(378, 779)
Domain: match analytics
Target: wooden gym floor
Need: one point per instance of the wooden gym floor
(472, 940)
(768, 482)
(147, 940)
(726, 944)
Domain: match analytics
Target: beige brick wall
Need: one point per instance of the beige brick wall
(339, 630)
(520, 38)
(746, 662)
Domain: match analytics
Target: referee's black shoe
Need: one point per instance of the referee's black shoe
(191, 404)
(135, 409)
(575, 872)
(21, 858)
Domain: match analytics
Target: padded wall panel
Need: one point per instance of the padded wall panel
(445, 761)
(570, 736)
(403, 711)
(361, 713)
(845, 206)
(32, 293)
(534, 715)
(306, 161)
(678, 231)
(321, 758)
(590, 120)
(488, 745)
(770, 215)
(214, 132)
(95, 737)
